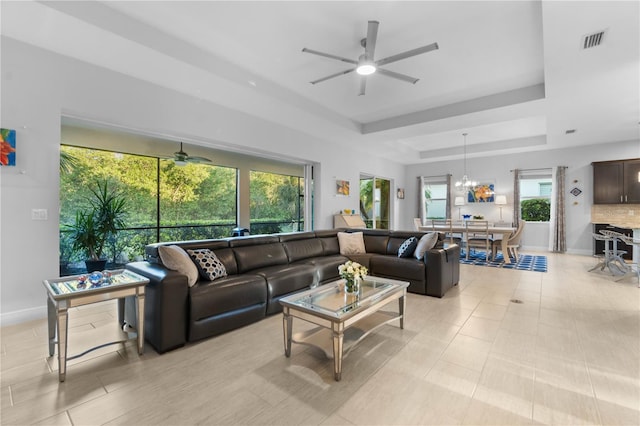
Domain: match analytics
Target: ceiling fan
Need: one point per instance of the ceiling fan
(366, 65)
(181, 158)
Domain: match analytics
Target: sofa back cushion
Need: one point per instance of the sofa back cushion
(228, 259)
(377, 243)
(303, 249)
(329, 240)
(259, 256)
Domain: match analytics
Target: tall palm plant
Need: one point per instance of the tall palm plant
(94, 226)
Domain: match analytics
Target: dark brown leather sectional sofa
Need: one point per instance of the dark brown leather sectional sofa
(264, 268)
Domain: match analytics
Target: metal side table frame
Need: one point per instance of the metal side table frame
(65, 293)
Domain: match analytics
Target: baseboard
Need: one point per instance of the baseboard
(581, 252)
(24, 315)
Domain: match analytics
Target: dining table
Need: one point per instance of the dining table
(504, 232)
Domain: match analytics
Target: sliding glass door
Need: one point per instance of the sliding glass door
(375, 201)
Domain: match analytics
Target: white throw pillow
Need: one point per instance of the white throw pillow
(351, 243)
(426, 243)
(176, 259)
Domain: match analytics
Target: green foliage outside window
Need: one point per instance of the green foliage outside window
(536, 210)
(276, 203)
(197, 201)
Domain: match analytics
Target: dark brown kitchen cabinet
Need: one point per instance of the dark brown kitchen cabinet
(616, 182)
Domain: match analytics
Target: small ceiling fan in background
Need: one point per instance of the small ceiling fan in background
(181, 158)
(366, 65)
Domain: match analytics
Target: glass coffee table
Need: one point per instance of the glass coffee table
(68, 292)
(343, 319)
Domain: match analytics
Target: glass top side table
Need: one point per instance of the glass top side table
(68, 292)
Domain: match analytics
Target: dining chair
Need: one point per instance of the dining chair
(513, 243)
(446, 224)
(477, 236)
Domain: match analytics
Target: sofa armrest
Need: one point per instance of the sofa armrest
(443, 269)
(165, 306)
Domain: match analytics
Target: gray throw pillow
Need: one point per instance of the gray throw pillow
(176, 259)
(426, 243)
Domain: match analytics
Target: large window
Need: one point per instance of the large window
(434, 196)
(535, 196)
(196, 201)
(164, 202)
(276, 203)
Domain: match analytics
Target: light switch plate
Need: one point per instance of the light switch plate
(39, 214)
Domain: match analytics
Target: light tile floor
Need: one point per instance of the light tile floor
(569, 354)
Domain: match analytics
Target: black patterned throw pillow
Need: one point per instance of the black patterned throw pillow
(408, 247)
(208, 264)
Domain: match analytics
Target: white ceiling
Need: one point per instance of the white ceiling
(511, 74)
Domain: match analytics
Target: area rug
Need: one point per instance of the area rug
(526, 262)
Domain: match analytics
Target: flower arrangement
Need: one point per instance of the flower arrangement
(352, 271)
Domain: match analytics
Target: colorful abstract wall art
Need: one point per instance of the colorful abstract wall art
(342, 187)
(7, 147)
(482, 193)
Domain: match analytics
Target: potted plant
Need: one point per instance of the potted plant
(94, 226)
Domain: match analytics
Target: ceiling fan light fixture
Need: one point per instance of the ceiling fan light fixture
(180, 163)
(365, 66)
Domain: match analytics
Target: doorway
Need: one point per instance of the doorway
(375, 201)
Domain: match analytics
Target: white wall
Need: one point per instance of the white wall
(497, 170)
(38, 87)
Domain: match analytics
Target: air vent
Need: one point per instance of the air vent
(569, 131)
(593, 40)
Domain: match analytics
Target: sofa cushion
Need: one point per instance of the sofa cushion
(176, 259)
(283, 280)
(409, 269)
(227, 294)
(208, 264)
(363, 259)
(303, 249)
(330, 244)
(426, 243)
(250, 257)
(228, 259)
(351, 243)
(408, 247)
(376, 243)
(326, 267)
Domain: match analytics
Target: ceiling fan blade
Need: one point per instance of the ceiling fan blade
(198, 160)
(408, 54)
(372, 36)
(398, 76)
(363, 85)
(338, 74)
(329, 55)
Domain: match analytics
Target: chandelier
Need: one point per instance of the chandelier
(465, 182)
